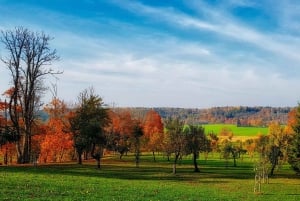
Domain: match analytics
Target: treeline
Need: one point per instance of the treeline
(89, 128)
(241, 115)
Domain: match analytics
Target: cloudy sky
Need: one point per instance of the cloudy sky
(173, 53)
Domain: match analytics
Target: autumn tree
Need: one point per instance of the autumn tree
(87, 125)
(176, 139)
(214, 139)
(28, 60)
(294, 146)
(120, 130)
(250, 146)
(57, 141)
(226, 132)
(8, 135)
(153, 129)
(278, 144)
(136, 140)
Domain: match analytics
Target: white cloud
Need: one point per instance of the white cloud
(139, 66)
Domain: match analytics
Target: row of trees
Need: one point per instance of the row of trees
(241, 115)
(89, 128)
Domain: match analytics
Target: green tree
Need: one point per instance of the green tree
(29, 55)
(196, 142)
(230, 150)
(87, 125)
(175, 138)
(294, 147)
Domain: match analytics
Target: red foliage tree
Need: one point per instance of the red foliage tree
(56, 143)
(153, 132)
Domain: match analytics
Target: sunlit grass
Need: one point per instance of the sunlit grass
(121, 180)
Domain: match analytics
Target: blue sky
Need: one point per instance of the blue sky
(171, 53)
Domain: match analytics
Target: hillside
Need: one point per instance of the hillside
(242, 116)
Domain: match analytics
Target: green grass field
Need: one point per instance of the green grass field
(121, 180)
(237, 131)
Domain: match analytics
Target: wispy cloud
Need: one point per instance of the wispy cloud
(171, 57)
(224, 25)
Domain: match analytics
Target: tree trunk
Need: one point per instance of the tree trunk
(234, 155)
(5, 159)
(153, 154)
(272, 170)
(98, 163)
(19, 153)
(196, 169)
(234, 161)
(26, 152)
(79, 155)
(175, 163)
(98, 155)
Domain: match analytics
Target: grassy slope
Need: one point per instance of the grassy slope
(120, 180)
(237, 131)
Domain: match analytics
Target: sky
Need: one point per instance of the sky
(170, 53)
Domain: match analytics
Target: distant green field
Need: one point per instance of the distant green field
(237, 131)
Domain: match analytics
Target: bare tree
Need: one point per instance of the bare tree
(29, 54)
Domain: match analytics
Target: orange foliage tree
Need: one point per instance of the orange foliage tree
(119, 131)
(7, 136)
(292, 121)
(153, 132)
(57, 143)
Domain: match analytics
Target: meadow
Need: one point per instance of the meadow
(237, 131)
(121, 180)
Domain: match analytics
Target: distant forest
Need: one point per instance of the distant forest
(241, 115)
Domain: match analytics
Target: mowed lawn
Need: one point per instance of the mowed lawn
(237, 131)
(121, 180)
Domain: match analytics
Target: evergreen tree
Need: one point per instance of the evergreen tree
(87, 125)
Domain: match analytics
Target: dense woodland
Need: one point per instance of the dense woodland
(241, 115)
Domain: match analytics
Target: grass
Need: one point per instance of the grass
(237, 131)
(121, 180)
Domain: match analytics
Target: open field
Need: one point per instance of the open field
(237, 131)
(121, 180)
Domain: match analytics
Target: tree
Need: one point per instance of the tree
(136, 138)
(87, 125)
(153, 129)
(278, 144)
(229, 149)
(196, 142)
(28, 55)
(226, 132)
(119, 132)
(176, 139)
(56, 142)
(294, 147)
(213, 138)
(7, 133)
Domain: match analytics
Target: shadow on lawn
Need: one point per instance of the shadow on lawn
(147, 171)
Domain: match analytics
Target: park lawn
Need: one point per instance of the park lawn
(237, 131)
(121, 180)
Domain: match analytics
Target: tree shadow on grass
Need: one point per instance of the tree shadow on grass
(127, 171)
(211, 171)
